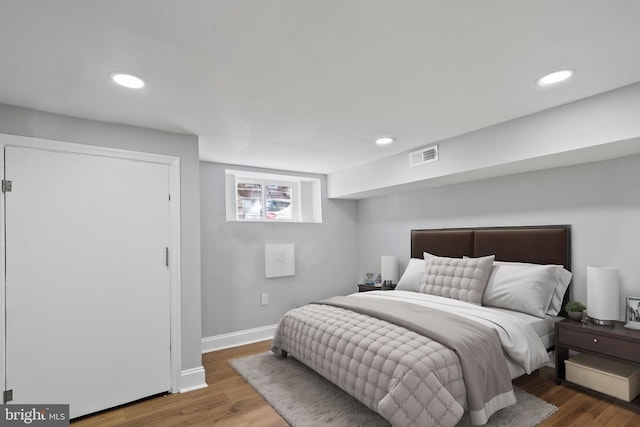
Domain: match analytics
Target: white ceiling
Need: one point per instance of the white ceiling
(308, 85)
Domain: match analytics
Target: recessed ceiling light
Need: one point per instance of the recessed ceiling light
(127, 80)
(385, 140)
(555, 77)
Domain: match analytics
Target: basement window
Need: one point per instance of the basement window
(266, 197)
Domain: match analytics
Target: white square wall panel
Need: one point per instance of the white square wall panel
(279, 260)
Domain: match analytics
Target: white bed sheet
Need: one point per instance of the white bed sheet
(544, 328)
(522, 335)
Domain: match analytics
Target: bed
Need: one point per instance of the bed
(474, 309)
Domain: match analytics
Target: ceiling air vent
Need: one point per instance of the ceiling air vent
(421, 157)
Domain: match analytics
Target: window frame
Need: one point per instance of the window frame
(293, 199)
(306, 196)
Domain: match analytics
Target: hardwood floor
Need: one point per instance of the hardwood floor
(230, 401)
(575, 408)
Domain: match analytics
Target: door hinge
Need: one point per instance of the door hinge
(7, 396)
(6, 186)
(166, 257)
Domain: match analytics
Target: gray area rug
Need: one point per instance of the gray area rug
(305, 399)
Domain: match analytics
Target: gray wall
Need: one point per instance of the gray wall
(25, 122)
(233, 259)
(600, 200)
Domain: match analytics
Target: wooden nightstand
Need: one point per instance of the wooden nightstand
(613, 342)
(367, 288)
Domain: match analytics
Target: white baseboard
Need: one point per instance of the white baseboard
(234, 339)
(192, 379)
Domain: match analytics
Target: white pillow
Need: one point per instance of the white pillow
(564, 278)
(528, 288)
(412, 276)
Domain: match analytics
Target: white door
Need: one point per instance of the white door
(87, 286)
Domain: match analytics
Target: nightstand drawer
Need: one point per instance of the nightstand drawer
(600, 344)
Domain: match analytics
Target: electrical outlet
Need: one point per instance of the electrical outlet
(264, 299)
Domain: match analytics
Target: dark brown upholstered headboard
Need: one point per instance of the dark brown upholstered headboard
(536, 244)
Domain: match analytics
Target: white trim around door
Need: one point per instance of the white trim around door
(174, 258)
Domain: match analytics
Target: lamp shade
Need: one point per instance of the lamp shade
(603, 295)
(389, 268)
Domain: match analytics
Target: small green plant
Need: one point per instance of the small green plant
(575, 306)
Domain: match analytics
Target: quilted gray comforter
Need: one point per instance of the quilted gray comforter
(392, 367)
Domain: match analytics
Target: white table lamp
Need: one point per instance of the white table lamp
(603, 295)
(389, 269)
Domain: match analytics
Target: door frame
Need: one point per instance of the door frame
(175, 273)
